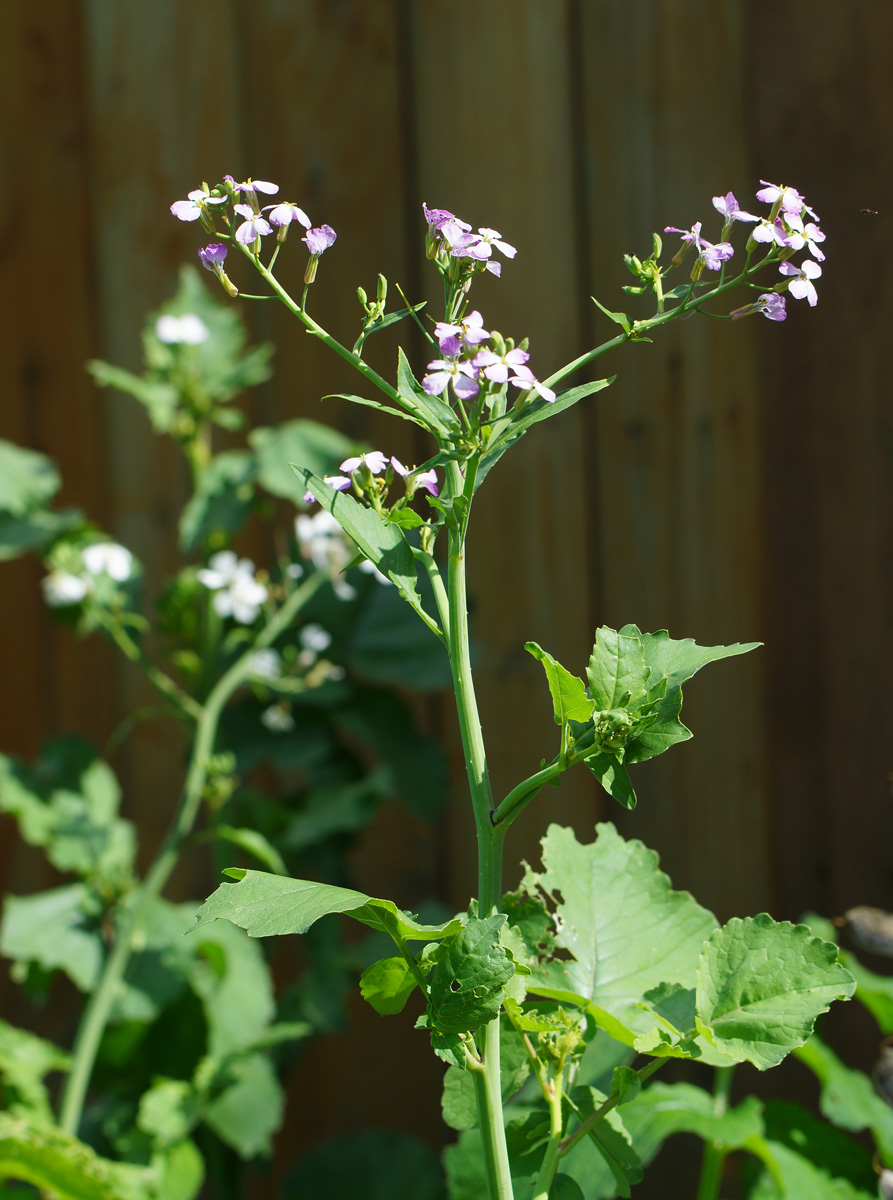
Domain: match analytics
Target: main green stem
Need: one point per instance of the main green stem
(714, 1154)
(490, 840)
(98, 1010)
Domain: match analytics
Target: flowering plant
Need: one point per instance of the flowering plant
(593, 953)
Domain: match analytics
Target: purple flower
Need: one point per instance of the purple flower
(374, 460)
(318, 240)
(191, 209)
(727, 207)
(212, 256)
(284, 214)
(770, 231)
(801, 285)
(438, 217)
(417, 479)
(788, 198)
(498, 367)
(461, 374)
(714, 255)
(253, 185)
(253, 227)
(770, 304)
(691, 237)
(525, 381)
(800, 235)
(340, 483)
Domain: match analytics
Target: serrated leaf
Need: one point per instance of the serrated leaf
(468, 982)
(266, 905)
(430, 412)
(617, 672)
(761, 985)
(569, 699)
(28, 480)
(317, 447)
(676, 661)
(625, 927)
(848, 1098)
(613, 777)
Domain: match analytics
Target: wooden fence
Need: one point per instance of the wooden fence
(734, 483)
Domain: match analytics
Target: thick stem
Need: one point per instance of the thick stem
(553, 1147)
(98, 1010)
(714, 1154)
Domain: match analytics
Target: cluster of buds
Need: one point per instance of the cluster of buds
(477, 364)
(229, 201)
(458, 251)
(785, 231)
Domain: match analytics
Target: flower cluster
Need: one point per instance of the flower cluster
(785, 231)
(323, 542)
(364, 469)
(230, 200)
(188, 330)
(61, 588)
(475, 361)
(457, 249)
(237, 592)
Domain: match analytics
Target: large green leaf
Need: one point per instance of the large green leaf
(625, 928)
(223, 500)
(248, 1112)
(28, 480)
(266, 905)
(569, 699)
(761, 985)
(848, 1098)
(318, 448)
(231, 976)
(53, 930)
(676, 661)
(431, 412)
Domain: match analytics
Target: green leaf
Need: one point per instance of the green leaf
(569, 699)
(35, 530)
(468, 982)
(611, 1138)
(662, 1110)
(809, 1158)
(618, 318)
(430, 412)
(613, 777)
(230, 975)
(383, 544)
(367, 403)
(466, 1171)
(676, 661)
(617, 672)
(56, 1162)
(180, 1170)
(25, 1060)
(874, 991)
(159, 398)
(223, 500)
(318, 448)
(265, 905)
(387, 985)
(848, 1098)
(28, 480)
(253, 843)
(761, 985)
(52, 930)
(623, 924)
(376, 1164)
(247, 1114)
(168, 1111)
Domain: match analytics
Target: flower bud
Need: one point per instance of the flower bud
(381, 292)
(362, 297)
(310, 269)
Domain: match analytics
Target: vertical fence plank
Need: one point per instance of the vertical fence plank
(677, 437)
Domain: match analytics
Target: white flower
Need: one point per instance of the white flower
(322, 541)
(266, 664)
(277, 719)
(371, 569)
(188, 328)
(314, 637)
(237, 592)
(60, 589)
(108, 558)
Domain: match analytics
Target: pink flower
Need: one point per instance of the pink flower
(801, 285)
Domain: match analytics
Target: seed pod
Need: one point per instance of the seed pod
(871, 929)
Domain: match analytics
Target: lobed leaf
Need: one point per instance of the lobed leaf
(468, 982)
(761, 985)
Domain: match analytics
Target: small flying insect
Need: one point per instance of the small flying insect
(871, 212)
